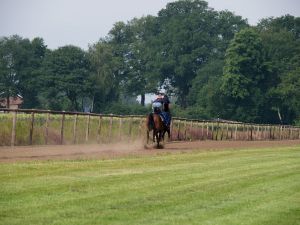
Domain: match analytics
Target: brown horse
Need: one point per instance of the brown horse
(155, 123)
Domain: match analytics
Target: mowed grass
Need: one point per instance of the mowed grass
(254, 186)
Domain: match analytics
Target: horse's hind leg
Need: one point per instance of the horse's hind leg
(169, 133)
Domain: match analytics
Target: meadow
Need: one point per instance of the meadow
(250, 186)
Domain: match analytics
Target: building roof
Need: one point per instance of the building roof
(12, 101)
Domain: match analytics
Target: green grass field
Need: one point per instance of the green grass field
(254, 186)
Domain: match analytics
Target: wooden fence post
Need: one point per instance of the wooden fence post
(207, 130)
(130, 128)
(75, 129)
(13, 130)
(31, 128)
(171, 130)
(191, 130)
(185, 130)
(235, 134)
(87, 130)
(62, 129)
(212, 131)
(227, 130)
(99, 130)
(217, 130)
(120, 128)
(202, 130)
(47, 128)
(178, 130)
(110, 127)
(141, 128)
(280, 132)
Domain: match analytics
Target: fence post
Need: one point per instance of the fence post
(207, 130)
(178, 130)
(227, 129)
(47, 128)
(191, 132)
(171, 131)
(141, 128)
(31, 128)
(202, 131)
(130, 128)
(248, 132)
(217, 130)
(110, 127)
(185, 130)
(235, 133)
(75, 129)
(62, 129)
(99, 130)
(222, 131)
(13, 131)
(212, 131)
(120, 128)
(87, 131)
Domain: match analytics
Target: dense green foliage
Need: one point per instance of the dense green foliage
(254, 186)
(211, 62)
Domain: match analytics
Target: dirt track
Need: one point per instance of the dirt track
(29, 153)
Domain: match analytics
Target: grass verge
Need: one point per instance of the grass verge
(256, 186)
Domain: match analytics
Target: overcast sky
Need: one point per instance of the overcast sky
(83, 22)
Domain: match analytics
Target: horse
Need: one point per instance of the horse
(155, 123)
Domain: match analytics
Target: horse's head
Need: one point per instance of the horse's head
(158, 123)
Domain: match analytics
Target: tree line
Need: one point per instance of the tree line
(212, 63)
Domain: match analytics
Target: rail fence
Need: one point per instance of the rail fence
(43, 127)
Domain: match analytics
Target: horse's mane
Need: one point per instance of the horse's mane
(158, 123)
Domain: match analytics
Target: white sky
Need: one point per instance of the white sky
(83, 22)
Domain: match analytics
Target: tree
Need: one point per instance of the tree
(205, 91)
(133, 44)
(190, 35)
(19, 68)
(104, 74)
(281, 41)
(66, 72)
(8, 76)
(243, 77)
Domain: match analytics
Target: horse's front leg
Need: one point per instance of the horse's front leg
(158, 136)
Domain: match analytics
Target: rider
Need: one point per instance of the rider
(161, 106)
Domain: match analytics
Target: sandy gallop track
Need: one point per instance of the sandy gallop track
(65, 152)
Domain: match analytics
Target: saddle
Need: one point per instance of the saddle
(162, 117)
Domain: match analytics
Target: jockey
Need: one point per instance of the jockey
(157, 104)
(161, 106)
